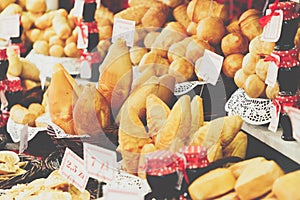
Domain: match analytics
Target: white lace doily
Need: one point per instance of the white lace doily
(255, 111)
(185, 87)
(14, 130)
(60, 133)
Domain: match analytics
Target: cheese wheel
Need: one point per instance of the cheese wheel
(212, 184)
(286, 187)
(257, 180)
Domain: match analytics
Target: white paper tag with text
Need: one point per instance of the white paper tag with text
(120, 194)
(78, 8)
(100, 163)
(275, 114)
(272, 73)
(72, 168)
(272, 31)
(210, 67)
(13, 30)
(98, 2)
(82, 40)
(85, 70)
(294, 115)
(23, 139)
(43, 78)
(123, 29)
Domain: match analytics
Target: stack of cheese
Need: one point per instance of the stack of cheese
(10, 165)
(252, 75)
(148, 124)
(22, 115)
(54, 186)
(256, 178)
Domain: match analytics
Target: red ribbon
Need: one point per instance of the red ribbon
(269, 58)
(92, 26)
(283, 101)
(91, 57)
(78, 23)
(265, 19)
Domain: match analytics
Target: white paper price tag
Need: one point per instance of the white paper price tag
(123, 29)
(85, 70)
(23, 139)
(275, 114)
(100, 163)
(294, 114)
(210, 67)
(78, 8)
(13, 30)
(82, 40)
(98, 3)
(124, 195)
(272, 73)
(72, 168)
(43, 78)
(297, 1)
(272, 31)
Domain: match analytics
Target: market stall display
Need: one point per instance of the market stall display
(144, 111)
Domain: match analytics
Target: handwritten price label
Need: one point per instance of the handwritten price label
(100, 163)
(210, 67)
(13, 30)
(123, 29)
(72, 168)
(272, 30)
(78, 8)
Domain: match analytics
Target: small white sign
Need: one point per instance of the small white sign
(78, 8)
(82, 40)
(272, 31)
(297, 1)
(72, 168)
(85, 70)
(275, 114)
(13, 30)
(23, 139)
(210, 67)
(98, 3)
(272, 73)
(43, 78)
(120, 194)
(294, 114)
(123, 29)
(100, 163)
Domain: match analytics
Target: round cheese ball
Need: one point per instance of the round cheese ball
(211, 29)
(254, 86)
(234, 43)
(231, 64)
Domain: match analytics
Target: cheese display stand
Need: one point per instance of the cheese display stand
(149, 99)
